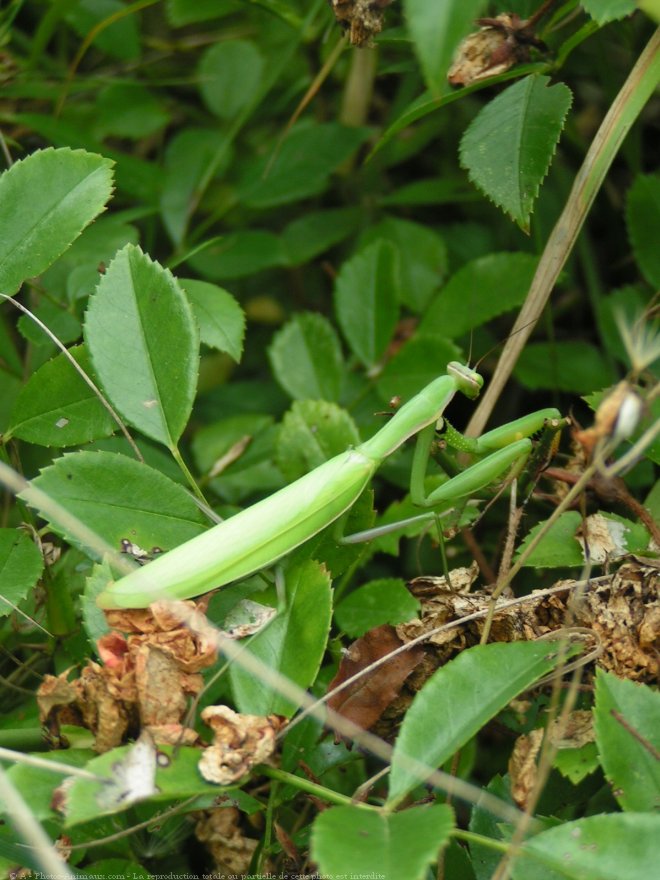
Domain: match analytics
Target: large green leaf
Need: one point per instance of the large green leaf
(56, 407)
(458, 700)
(382, 601)
(643, 219)
(508, 147)
(606, 847)
(367, 300)
(482, 289)
(292, 644)
(603, 11)
(21, 565)
(354, 842)
(627, 725)
(119, 498)
(437, 29)
(306, 358)
(565, 366)
(46, 200)
(144, 345)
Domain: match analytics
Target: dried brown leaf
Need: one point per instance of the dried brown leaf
(240, 742)
(364, 701)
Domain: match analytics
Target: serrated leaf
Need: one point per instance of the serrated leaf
(437, 29)
(56, 407)
(119, 498)
(221, 320)
(367, 300)
(312, 431)
(354, 842)
(607, 847)
(481, 289)
(46, 200)
(306, 358)
(292, 644)
(508, 147)
(627, 726)
(603, 11)
(21, 565)
(643, 219)
(382, 601)
(465, 694)
(559, 546)
(143, 340)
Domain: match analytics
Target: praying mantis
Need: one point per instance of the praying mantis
(262, 534)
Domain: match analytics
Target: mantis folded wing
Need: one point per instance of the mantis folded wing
(262, 534)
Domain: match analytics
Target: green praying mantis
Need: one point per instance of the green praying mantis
(262, 534)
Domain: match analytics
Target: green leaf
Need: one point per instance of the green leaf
(312, 431)
(559, 546)
(247, 473)
(178, 780)
(180, 12)
(437, 29)
(57, 407)
(419, 361)
(128, 109)
(21, 565)
(566, 366)
(302, 167)
(426, 104)
(222, 68)
(508, 147)
(48, 198)
(606, 847)
(366, 301)
(120, 39)
(627, 726)
(316, 231)
(465, 694)
(354, 842)
(244, 253)
(643, 219)
(306, 358)
(188, 155)
(292, 644)
(603, 11)
(382, 601)
(221, 320)
(576, 764)
(480, 290)
(119, 498)
(422, 258)
(143, 341)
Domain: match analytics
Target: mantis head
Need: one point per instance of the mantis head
(468, 381)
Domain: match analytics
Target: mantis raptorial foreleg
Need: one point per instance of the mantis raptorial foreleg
(260, 535)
